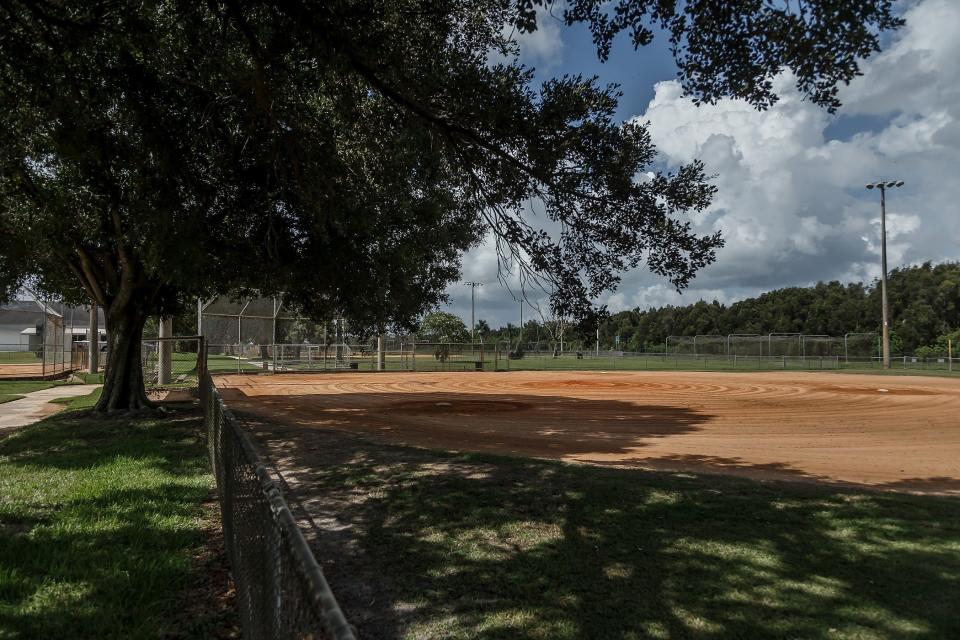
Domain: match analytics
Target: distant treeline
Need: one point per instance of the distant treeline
(924, 305)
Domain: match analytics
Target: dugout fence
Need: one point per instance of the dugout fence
(41, 338)
(176, 362)
(281, 590)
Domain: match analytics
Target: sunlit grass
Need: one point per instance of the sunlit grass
(15, 389)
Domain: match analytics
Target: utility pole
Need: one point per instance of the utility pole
(520, 333)
(473, 325)
(883, 186)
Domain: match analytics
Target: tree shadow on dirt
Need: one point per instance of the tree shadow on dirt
(548, 426)
(425, 544)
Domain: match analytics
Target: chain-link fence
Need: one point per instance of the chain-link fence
(281, 590)
(41, 338)
(855, 346)
(507, 360)
(172, 363)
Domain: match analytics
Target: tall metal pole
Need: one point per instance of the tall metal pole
(520, 333)
(473, 325)
(885, 341)
(883, 277)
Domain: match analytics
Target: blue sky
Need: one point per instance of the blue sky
(791, 202)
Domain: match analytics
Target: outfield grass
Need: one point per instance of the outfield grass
(225, 364)
(716, 363)
(18, 357)
(477, 546)
(99, 523)
(568, 362)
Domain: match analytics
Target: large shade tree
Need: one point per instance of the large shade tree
(346, 152)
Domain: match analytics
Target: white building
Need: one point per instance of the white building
(26, 324)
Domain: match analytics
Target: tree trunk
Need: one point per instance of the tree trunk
(123, 389)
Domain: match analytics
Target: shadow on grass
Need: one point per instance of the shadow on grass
(74, 440)
(98, 525)
(424, 544)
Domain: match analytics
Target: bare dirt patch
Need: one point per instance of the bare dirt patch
(800, 426)
(880, 389)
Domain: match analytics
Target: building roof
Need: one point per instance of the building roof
(30, 312)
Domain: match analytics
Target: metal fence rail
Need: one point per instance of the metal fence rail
(632, 361)
(281, 590)
(735, 352)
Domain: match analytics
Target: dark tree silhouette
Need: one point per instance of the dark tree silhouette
(347, 152)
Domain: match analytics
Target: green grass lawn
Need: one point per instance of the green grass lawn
(99, 524)
(225, 364)
(15, 389)
(19, 357)
(477, 546)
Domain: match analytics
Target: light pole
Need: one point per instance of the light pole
(473, 325)
(883, 186)
(520, 333)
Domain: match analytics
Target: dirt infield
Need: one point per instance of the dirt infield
(888, 432)
(32, 370)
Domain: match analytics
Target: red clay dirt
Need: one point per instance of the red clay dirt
(884, 432)
(32, 371)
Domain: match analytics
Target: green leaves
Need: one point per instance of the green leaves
(347, 154)
(443, 327)
(736, 47)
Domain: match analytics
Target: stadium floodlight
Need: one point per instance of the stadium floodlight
(883, 186)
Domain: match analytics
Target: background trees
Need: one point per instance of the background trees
(925, 306)
(443, 327)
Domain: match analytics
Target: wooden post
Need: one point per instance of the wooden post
(381, 352)
(165, 350)
(93, 339)
(950, 355)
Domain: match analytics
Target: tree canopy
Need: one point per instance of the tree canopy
(346, 153)
(440, 326)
